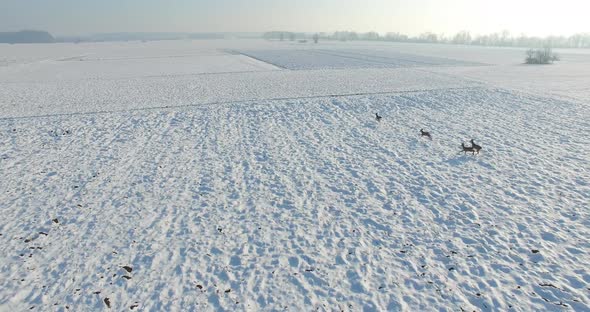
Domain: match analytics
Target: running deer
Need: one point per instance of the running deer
(425, 134)
(468, 149)
(475, 147)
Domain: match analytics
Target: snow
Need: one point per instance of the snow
(568, 81)
(276, 189)
(346, 58)
(89, 95)
(73, 69)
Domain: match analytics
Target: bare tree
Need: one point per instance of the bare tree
(395, 36)
(428, 37)
(370, 36)
(505, 39)
(462, 37)
(541, 56)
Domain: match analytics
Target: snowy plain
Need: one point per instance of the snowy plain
(246, 175)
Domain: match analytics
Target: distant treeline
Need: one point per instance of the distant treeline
(502, 39)
(26, 36)
(140, 37)
(34, 36)
(105, 37)
(284, 35)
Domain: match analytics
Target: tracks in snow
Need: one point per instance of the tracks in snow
(307, 202)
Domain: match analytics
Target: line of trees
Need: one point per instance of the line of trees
(503, 39)
(283, 35)
(26, 36)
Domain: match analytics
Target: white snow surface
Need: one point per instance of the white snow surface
(346, 58)
(224, 183)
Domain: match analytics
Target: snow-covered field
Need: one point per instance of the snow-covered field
(185, 176)
(346, 58)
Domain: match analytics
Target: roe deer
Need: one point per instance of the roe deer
(468, 149)
(377, 117)
(475, 147)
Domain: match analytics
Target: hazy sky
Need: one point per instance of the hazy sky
(67, 17)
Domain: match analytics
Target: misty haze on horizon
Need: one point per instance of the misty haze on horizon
(72, 18)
